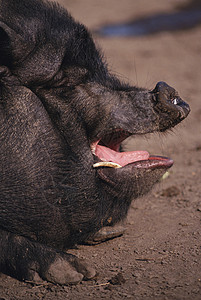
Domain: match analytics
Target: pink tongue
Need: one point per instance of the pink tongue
(121, 158)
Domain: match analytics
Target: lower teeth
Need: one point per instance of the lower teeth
(106, 164)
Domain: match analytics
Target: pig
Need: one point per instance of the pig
(63, 118)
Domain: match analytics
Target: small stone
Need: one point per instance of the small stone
(117, 279)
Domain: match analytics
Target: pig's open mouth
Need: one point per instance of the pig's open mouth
(107, 152)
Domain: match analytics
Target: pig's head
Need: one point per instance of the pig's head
(89, 111)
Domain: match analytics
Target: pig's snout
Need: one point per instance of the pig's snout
(167, 100)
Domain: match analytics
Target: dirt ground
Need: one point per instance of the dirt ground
(159, 255)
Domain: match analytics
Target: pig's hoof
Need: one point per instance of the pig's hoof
(106, 233)
(68, 270)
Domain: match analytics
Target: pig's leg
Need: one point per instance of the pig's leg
(31, 261)
(106, 233)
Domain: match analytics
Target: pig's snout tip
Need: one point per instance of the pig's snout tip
(168, 97)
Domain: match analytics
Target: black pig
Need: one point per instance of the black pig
(63, 118)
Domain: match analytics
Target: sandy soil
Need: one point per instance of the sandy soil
(159, 255)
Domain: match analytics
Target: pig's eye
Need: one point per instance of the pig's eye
(58, 80)
(68, 77)
(75, 75)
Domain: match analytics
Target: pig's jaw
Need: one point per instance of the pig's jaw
(108, 154)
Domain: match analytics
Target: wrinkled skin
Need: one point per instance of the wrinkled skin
(57, 101)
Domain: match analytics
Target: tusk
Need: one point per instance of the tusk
(106, 164)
